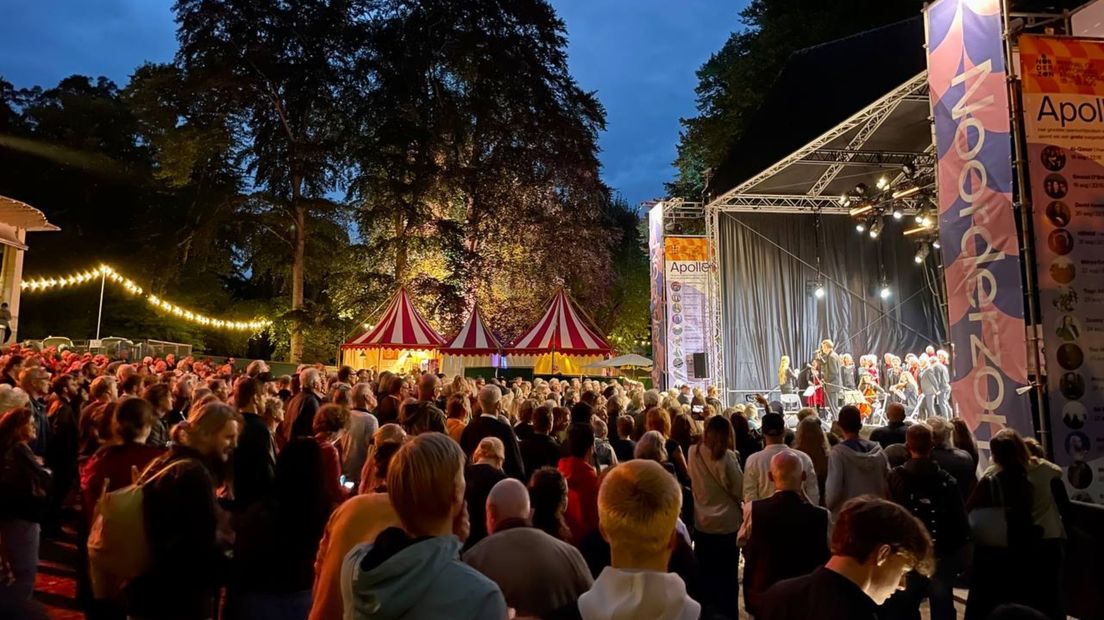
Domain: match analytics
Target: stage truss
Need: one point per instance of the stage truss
(878, 141)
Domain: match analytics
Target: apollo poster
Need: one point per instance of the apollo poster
(688, 323)
(1063, 96)
(967, 79)
(658, 306)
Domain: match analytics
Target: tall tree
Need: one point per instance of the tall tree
(734, 81)
(279, 66)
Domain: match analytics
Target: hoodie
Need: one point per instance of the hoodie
(620, 594)
(402, 577)
(855, 467)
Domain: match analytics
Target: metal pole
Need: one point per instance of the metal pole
(1034, 321)
(99, 315)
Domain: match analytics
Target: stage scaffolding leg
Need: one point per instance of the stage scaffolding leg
(713, 304)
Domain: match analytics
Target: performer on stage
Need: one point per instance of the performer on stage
(831, 369)
(929, 389)
(905, 392)
(787, 378)
(892, 371)
(943, 358)
(847, 369)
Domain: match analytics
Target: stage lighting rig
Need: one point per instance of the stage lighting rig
(884, 293)
(922, 253)
(875, 228)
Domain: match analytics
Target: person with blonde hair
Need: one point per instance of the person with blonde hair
(415, 571)
(809, 437)
(787, 378)
(638, 508)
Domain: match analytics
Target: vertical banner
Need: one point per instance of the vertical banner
(1063, 95)
(658, 305)
(689, 326)
(967, 79)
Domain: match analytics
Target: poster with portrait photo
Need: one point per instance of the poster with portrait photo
(1065, 163)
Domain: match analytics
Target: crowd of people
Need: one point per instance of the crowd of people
(922, 383)
(201, 491)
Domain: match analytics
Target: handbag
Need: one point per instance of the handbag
(989, 526)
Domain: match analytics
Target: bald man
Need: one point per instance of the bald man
(790, 537)
(536, 572)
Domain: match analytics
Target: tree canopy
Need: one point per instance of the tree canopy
(300, 160)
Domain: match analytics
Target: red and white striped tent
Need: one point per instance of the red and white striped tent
(400, 339)
(475, 345)
(562, 341)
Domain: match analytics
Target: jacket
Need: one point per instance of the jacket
(479, 480)
(852, 473)
(891, 433)
(582, 497)
(362, 426)
(931, 495)
(357, 521)
(539, 451)
(400, 577)
(491, 426)
(628, 594)
(299, 418)
(783, 536)
(23, 485)
(536, 572)
(960, 465)
(254, 462)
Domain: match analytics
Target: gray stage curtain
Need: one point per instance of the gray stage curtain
(768, 306)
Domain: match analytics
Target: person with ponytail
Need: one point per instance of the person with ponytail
(187, 531)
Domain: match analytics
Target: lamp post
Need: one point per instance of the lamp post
(99, 314)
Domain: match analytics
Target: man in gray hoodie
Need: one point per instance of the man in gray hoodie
(855, 466)
(416, 572)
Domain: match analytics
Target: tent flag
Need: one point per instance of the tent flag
(474, 338)
(400, 327)
(562, 329)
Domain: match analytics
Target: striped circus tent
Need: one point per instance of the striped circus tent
(563, 340)
(474, 338)
(400, 339)
(474, 346)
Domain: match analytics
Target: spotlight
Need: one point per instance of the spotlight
(898, 214)
(922, 254)
(925, 221)
(860, 189)
(860, 227)
(936, 245)
(907, 170)
(819, 292)
(885, 292)
(875, 229)
(919, 218)
(883, 183)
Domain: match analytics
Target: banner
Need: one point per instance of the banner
(689, 326)
(977, 226)
(657, 306)
(1063, 95)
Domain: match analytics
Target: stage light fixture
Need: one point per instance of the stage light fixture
(875, 229)
(885, 292)
(936, 245)
(819, 292)
(922, 254)
(860, 189)
(898, 214)
(919, 218)
(901, 193)
(860, 227)
(860, 209)
(883, 183)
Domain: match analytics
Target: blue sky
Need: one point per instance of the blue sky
(639, 55)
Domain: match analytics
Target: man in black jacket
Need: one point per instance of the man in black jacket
(894, 431)
(489, 425)
(789, 537)
(255, 456)
(540, 449)
(931, 495)
(954, 461)
(299, 418)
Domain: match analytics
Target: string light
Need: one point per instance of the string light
(107, 273)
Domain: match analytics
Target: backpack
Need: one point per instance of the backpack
(117, 546)
(931, 502)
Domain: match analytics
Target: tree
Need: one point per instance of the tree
(279, 68)
(734, 81)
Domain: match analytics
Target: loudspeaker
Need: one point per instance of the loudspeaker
(701, 369)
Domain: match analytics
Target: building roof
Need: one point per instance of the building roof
(22, 215)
